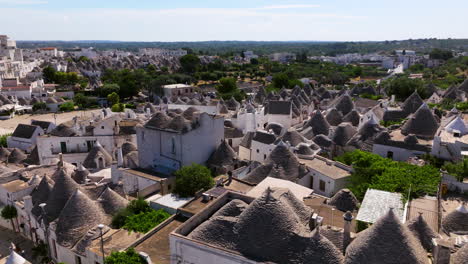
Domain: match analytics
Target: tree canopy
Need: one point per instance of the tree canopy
(9, 212)
(373, 171)
(402, 87)
(145, 221)
(189, 63)
(459, 170)
(441, 54)
(191, 179)
(130, 256)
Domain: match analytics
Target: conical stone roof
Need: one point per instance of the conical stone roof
(80, 174)
(16, 156)
(422, 123)
(4, 153)
(79, 215)
(412, 103)
(40, 195)
(294, 138)
(456, 221)
(63, 189)
(334, 117)
(159, 120)
(343, 133)
(344, 200)
(98, 151)
(319, 124)
(461, 256)
(323, 141)
(352, 117)
(284, 229)
(345, 104)
(387, 241)
(128, 147)
(422, 231)
(112, 202)
(464, 86)
(223, 155)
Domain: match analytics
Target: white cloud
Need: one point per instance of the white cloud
(23, 2)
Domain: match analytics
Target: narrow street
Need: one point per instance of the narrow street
(7, 237)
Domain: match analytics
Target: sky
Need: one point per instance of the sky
(259, 20)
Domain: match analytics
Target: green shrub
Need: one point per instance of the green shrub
(145, 221)
(371, 96)
(118, 107)
(130, 256)
(3, 140)
(458, 170)
(67, 107)
(130, 106)
(191, 179)
(39, 106)
(134, 207)
(373, 171)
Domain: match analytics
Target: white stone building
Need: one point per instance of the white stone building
(76, 141)
(25, 137)
(166, 144)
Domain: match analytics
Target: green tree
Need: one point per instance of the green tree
(39, 106)
(107, 89)
(134, 207)
(280, 80)
(67, 107)
(113, 98)
(48, 73)
(189, 63)
(9, 213)
(118, 107)
(3, 140)
(191, 179)
(81, 100)
(130, 256)
(373, 171)
(402, 87)
(227, 85)
(459, 170)
(441, 54)
(40, 253)
(145, 221)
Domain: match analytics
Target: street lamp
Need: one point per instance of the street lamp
(46, 225)
(101, 227)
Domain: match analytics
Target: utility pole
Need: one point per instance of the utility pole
(101, 226)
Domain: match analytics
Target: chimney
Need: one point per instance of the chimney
(164, 187)
(119, 157)
(314, 221)
(441, 251)
(348, 217)
(229, 178)
(60, 163)
(28, 204)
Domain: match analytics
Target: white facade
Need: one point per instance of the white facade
(395, 153)
(326, 177)
(76, 148)
(188, 251)
(26, 144)
(166, 151)
(180, 89)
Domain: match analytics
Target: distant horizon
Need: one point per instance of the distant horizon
(255, 20)
(195, 41)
